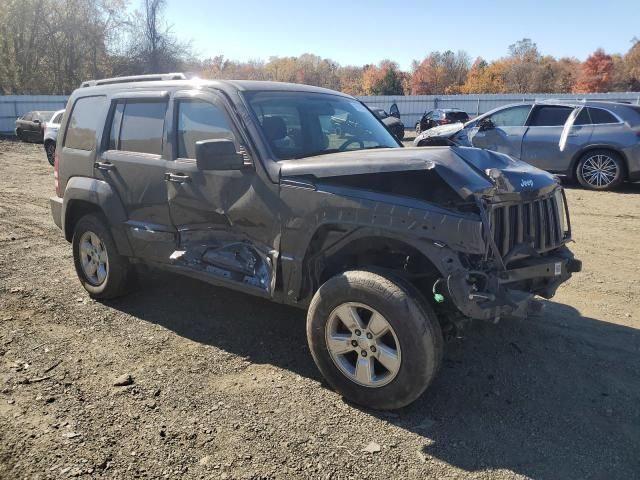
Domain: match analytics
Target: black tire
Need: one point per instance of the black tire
(50, 150)
(413, 321)
(615, 170)
(418, 129)
(19, 135)
(120, 273)
(400, 134)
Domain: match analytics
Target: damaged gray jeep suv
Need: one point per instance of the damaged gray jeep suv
(247, 185)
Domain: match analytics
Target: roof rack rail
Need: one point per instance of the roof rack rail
(135, 78)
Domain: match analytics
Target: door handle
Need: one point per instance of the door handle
(177, 177)
(104, 166)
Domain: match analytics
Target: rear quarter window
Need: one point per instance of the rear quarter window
(598, 115)
(84, 122)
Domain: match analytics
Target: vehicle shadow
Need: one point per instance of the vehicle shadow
(625, 188)
(553, 398)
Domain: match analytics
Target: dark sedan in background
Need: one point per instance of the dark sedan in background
(596, 143)
(440, 116)
(392, 122)
(31, 125)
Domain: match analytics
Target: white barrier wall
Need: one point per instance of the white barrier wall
(411, 107)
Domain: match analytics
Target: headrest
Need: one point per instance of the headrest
(274, 127)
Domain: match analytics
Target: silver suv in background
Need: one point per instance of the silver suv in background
(596, 143)
(51, 135)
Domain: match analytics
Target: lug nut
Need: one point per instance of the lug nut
(364, 353)
(358, 333)
(354, 343)
(373, 349)
(369, 336)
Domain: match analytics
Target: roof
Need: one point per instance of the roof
(179, 80)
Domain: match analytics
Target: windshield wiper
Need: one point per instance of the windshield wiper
(377, 146)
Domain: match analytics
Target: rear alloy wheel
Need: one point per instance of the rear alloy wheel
(374, 338)
(600, 170)
(50, 149)
(101, 270)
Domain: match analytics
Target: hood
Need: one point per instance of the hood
(440, 131)
(466, 170)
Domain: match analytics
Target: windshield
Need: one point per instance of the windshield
(458, 116)
(301, 124)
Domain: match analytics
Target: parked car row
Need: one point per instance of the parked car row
(31, 125)
(595, 143)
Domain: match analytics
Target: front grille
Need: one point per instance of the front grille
(539, 222)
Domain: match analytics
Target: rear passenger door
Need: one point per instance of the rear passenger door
(134, 162)
(541, 144)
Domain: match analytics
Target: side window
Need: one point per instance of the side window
(82, 126)
(511, 117)
(27, 117)
(57, 118)
(198, 120)
(141, 128)
(599, 115)
(550, 116)
(428, 115)
(583, 118)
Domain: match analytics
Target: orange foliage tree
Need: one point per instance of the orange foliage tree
(595, 73)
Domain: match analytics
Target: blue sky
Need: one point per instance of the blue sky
(358, 32)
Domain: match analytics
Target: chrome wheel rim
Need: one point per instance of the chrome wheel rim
(94, 259)
(599, 170)
(363, 345)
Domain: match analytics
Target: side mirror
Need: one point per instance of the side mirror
(218, 154)
(37, 121)
(485, 124)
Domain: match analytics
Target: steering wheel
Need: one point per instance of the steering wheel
(344, 146)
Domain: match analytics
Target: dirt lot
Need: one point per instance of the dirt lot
(225, 387)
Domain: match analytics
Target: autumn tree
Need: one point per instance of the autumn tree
(440, 73)
(383, 79)
(485, 78)
(595, 73)
(522, 65)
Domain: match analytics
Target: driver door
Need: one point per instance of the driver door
(227, 228)
(505, 133)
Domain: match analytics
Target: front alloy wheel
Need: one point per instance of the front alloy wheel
(363, 345)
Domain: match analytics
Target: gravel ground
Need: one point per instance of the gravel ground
(223, 385)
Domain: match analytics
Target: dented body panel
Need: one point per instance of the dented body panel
(452, 219)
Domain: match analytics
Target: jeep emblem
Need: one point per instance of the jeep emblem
(526, 183)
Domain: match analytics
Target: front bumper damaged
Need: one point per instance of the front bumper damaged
(510, 293)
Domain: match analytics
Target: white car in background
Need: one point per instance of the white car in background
(51, 135)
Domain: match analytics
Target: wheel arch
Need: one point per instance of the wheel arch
(85, 195)
(333, 250)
